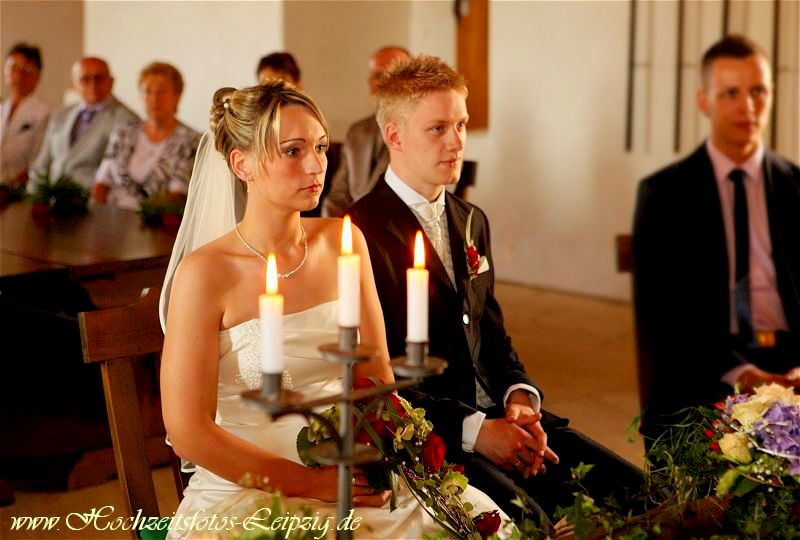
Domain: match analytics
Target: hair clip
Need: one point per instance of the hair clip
(226, 103)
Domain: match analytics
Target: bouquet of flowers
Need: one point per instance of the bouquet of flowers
(411, 450)
(64, 196)
(744, 454)
(160, 211)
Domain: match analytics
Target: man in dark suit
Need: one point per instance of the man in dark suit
(716, 249)
(484, 405)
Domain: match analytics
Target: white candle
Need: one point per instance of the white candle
(417, 295)
(349, 274)
(270, 308)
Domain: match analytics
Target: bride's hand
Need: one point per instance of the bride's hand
(323, 482)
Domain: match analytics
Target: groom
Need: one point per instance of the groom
(485, 406)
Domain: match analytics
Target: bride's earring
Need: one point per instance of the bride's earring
(248, 181)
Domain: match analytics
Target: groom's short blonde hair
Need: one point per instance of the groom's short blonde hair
(411, 79)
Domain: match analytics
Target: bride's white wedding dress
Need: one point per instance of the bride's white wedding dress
(308, 373)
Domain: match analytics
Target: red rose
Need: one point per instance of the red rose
(433, 452)
(472, 257)
(720, 406)
(708, 433)
(457, 467)
(171, 221)
(487, 523)
(40, 210)
(715, 446)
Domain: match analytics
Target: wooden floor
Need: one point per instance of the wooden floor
(579, 350)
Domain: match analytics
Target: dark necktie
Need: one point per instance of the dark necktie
(742, 233)
(81, 124)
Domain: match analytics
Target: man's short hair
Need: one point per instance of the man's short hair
(411, 79)
(282, 62)
(30, 52)
(731, 46)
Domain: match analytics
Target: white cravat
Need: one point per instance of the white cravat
(434, 222)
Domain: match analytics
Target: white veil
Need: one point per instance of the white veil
(214, 205)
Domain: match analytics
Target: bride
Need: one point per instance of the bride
(273, 138)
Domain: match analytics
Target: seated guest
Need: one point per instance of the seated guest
(484, 405)
(77, 135)
(716, 250)
(364, 155)
(23, 116)
(153, 157)
(278, 65)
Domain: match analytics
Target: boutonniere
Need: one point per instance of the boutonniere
(475, 261)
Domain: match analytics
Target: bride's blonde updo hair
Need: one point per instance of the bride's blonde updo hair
(250, 119)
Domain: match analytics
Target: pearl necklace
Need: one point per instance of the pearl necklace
(260, 256)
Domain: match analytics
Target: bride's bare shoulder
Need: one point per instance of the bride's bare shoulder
(327, 231)
(210, 265)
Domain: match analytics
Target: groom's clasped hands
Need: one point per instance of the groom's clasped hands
(517, 441)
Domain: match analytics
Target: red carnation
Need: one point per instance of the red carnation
(487, 523)
(433, 452)
(171, 221)
(40, 210)
(472, 257)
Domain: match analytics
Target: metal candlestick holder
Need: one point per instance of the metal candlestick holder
(342, 451)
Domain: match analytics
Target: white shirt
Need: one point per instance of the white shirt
(472, 423)
(21, 136)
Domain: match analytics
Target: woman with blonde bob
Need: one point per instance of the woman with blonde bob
(262, 163)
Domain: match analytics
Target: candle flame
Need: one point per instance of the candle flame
(419, 251)
(272, 274)
(347, 237)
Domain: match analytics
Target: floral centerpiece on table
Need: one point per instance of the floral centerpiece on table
(64, 196)
(411, 450)
(11, 193)
(161, 211)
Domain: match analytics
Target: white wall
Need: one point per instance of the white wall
(56, 28)
(332, 42)
(213, 44)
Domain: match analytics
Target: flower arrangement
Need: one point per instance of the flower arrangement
(411, 450)
(744, 455)
(160, 211)
(64, 196)
(11, 193)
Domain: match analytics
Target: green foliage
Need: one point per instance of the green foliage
(159, 210)
(64, 196)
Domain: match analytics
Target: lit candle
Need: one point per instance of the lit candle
(417, 299)
(270, 308)
(349, 266)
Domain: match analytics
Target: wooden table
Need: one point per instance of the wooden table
(50, 269)
(105, 240)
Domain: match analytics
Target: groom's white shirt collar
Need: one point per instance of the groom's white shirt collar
(406, 193)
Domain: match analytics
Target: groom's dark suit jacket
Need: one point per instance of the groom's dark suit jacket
(465, 323)
(681, 276)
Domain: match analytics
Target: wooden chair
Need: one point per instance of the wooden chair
(644, 363)
(467, 179)
(116, 338)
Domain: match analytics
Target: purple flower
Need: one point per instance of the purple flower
(779, 432)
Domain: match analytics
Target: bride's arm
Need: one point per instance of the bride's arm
(189, 376)
(373, 331)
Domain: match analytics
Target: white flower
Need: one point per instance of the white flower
(734, 446)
